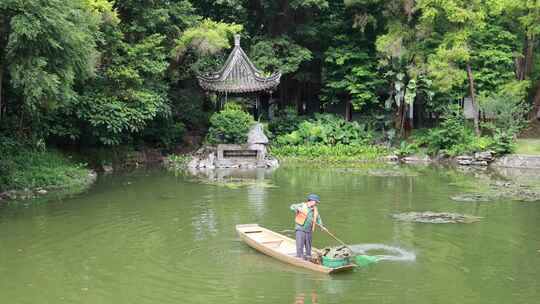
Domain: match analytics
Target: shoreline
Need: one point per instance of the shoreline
(479, 160)
(16, 196)
(528, 163)
(516, 161)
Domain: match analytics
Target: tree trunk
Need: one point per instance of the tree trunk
(536, 101)
(281, 21)
(4, 35)
(400, 119)
(403, 119)
(528, 56)
(348, 115)
(524, 64)
(298, 101)
(473, 100)
(1, 80)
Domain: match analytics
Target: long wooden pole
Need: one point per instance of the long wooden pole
(329, 233)
(333, 236)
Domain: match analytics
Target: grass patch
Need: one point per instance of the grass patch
(528, 146)
(23, 168)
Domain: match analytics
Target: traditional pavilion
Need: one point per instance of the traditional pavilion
(239, 77)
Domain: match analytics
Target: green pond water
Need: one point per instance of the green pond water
(153, 237)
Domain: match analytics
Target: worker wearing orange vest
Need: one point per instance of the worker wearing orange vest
(307, 217)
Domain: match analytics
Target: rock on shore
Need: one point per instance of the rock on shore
(477, 159)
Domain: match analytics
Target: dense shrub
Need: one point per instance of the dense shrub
(8, 147)
(188, 107)
(452, 132)
(326, 138)
(230, 126)
(506, 109)
(454, 137)
(164, 133)
(407, 148)
(285, 121)
(329, 153)
(503, 142)
(326, 129)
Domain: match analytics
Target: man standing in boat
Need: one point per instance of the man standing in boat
(307, 217)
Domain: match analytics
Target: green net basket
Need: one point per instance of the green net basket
(365, 260)
(334, 263)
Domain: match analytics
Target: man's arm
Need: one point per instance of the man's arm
(295, 207)
(319, 221)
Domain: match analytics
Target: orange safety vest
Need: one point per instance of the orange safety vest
(301, 215)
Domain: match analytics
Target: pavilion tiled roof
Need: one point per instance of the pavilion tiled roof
(238, 75)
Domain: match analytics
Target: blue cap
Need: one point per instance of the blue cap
(314, 197)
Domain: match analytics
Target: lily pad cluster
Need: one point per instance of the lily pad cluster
(472, 197)
(436, 217)
(501, 190)
(381, 172)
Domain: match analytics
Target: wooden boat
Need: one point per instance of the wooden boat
(280, 247)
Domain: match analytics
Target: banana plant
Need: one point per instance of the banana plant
(405, 88)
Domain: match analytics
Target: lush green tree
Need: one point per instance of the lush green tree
(112, 72)
(228, 11)
(130, 95)
(456, 21)
(350, 73)
(129, 89)
(279, 54)
(522, 18)
(402, 50)
(45, 47)
(142, 18)
(480, 44)
(201, 46)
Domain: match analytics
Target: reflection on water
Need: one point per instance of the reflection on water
(301, 298)
(152, 237)
(204, 222)
(259, 174)
(256, 197)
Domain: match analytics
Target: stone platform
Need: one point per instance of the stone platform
(246, 156)
(518, 161)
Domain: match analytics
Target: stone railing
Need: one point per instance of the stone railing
(232, 156)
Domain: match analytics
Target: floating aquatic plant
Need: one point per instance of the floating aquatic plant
(436, 217)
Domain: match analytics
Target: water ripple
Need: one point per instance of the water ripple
(391, 253)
